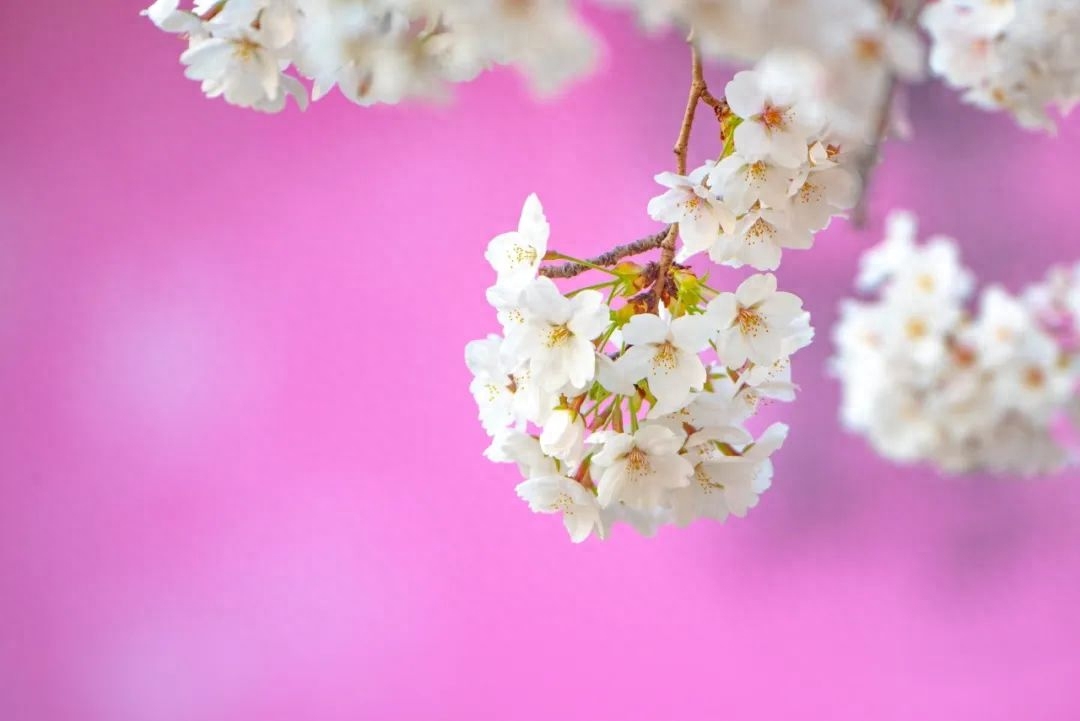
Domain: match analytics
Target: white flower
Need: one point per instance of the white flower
(716, 408)
(559, 494)
(932, 275)
(563, 437)
(513, 446)
(742, 182)
(777, 122)
(243, 64)
(492, 383)
(821, 195)
(516, 255)
(747, 476)
(665, 352)
(925, 381)
(556, 338)
(700, 213)
(613, 377)
(167, 15)
(637, 469)
(1034, 381)
(755, 321)
(759, 239)
(1017, 56)
(730, 481)
(1002, 325)
(889, 257)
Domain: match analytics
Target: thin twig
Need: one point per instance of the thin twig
(613, 256)
(870, 158)
(667, 247)
(905, 14)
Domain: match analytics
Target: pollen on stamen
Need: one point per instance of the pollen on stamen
(523, 254)
(665, 357)
(707, 486)
(757, 172)
(809, 193)
(637, 461)
(750, 323)
(558, 335)
(774, 117)
(245, 49)
(760, 230)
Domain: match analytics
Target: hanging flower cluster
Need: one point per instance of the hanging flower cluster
(253, 52)
(925, 380)
(1020, 56)
(783, 175)
(852, 50)
(626, 399)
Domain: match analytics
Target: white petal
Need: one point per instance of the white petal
(645, 328)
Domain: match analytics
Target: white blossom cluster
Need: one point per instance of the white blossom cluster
(253, 52)
(782, 178)
(850, 49)
(924, 379)
(614, 411)
(1022, 56)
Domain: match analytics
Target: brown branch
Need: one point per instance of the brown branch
(667, 247)
(869, 159)
(613, 256)
(904, 14)
(665, 239)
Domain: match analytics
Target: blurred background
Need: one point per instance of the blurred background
(241, 472)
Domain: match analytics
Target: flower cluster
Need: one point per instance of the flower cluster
(851, 49)
(926, 380)
(782, 177)
(1022, 57)
(251, 52)
(631, 407)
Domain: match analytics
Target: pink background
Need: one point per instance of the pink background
(241, 470)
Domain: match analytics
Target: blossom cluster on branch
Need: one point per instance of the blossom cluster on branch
(1018, 55)
(784, 174)
(924, 379)
(851, 50)
(1022, 56)
(626, 400)
(254, 52)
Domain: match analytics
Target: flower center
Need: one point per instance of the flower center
(965, 357)
(774, 117)
(750, 322)
(760, 230)
(868, 48)
(757, 172)
(809, 193)
(637, 461)
(1034, 378)
(558, 335)
(523, 254)
(245, 49)
(665, 356)
(916, 328)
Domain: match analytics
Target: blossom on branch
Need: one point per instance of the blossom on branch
(926, 379)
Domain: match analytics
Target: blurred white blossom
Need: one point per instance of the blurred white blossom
(925, 379)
